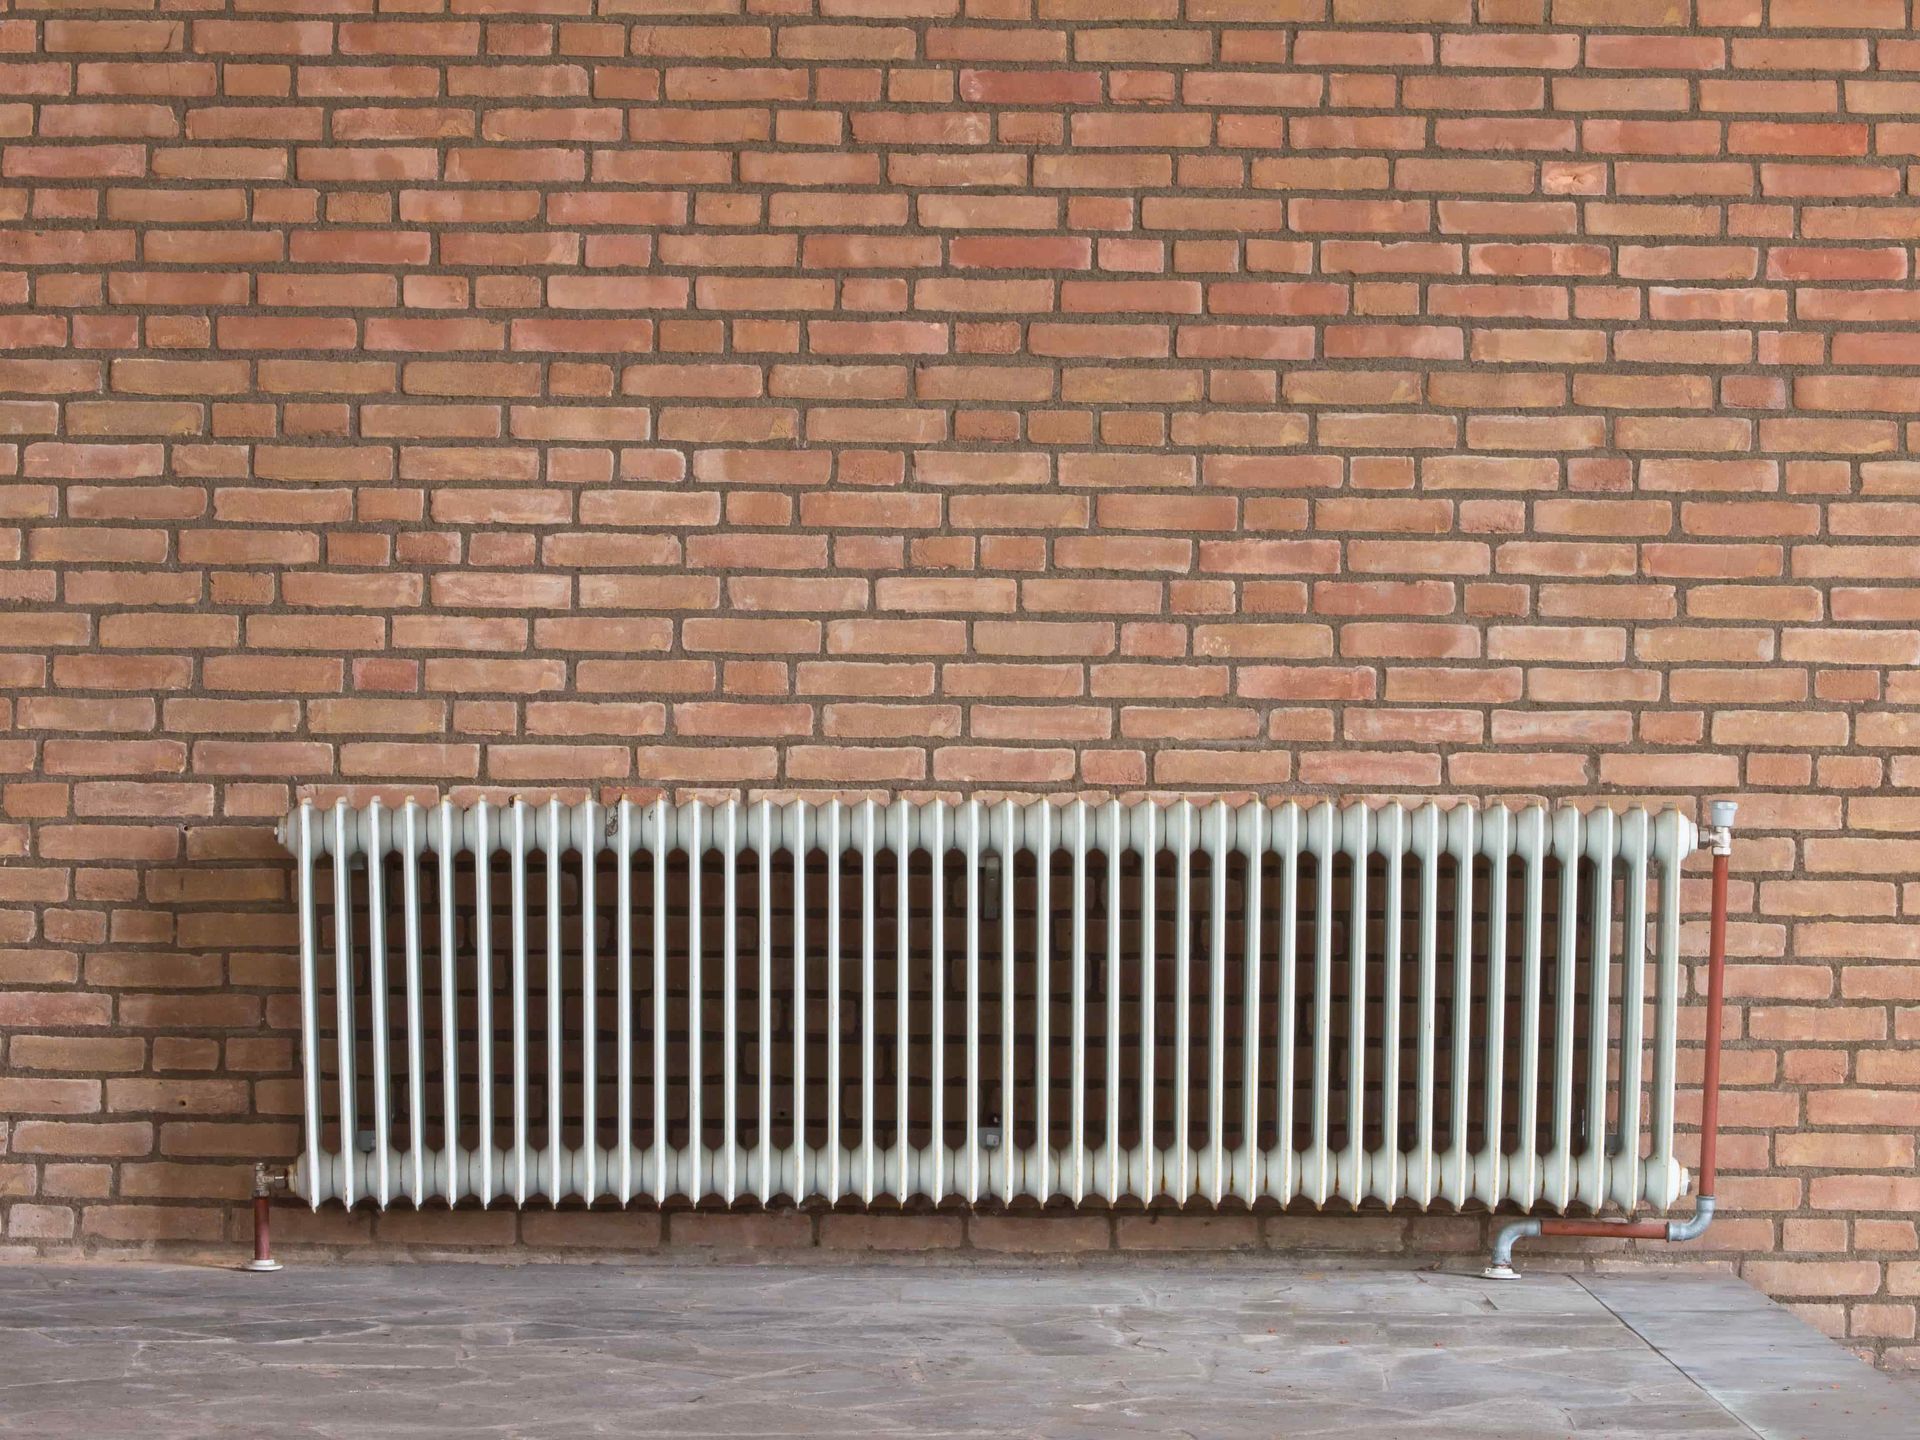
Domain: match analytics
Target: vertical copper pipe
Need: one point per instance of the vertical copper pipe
(262, 1212)
(1716, 999)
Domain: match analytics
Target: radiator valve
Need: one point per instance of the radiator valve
(1720, 826)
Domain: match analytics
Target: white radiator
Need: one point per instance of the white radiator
(983, 1003)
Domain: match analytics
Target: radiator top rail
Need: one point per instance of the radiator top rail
(1137, 827)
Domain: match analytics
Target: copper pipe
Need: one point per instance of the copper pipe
(262, 1217)
(1615, 1229)
(1716, 1001)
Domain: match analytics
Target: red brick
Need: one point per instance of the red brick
(1187, 1232)
(890, 1232)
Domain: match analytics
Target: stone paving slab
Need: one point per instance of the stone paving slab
(1780, 1376)
(1211, 1348)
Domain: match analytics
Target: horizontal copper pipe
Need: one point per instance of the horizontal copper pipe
(1611, 1229)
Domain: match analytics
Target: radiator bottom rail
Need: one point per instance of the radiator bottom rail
(1135, 1173)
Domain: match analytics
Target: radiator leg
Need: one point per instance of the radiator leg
(1720, 838)
(263, 1187)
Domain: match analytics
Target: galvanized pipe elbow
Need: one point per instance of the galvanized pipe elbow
(1695, 1225)
(1501, 1267)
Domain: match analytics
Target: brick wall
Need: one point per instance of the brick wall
(1411, 397)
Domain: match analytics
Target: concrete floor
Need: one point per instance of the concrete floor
(1211, 1348)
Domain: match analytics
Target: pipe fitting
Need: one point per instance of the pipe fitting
(1501, 1266)
(1719, 836)
(1695, 1225)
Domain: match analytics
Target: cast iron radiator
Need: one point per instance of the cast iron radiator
(985, 1003)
